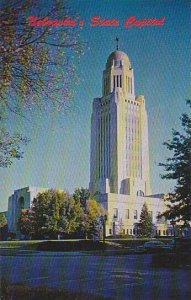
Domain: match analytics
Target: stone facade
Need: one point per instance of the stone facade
(20, 199)
(119, 139)
(119, 161)
(124, 213)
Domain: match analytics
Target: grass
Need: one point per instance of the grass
(21, 291)
(134, 242)
(53, 245)
(74, 245)
(16, 244)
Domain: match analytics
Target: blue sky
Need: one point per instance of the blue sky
(59, 152)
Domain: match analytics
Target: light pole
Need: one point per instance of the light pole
(172, 214)
(173, 223)
(104, 219)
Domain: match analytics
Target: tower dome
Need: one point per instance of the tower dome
(118, 58)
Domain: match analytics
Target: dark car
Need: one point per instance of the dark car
(155, 246)
(177, 254)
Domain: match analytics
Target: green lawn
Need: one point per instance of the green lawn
(33, 244)
(16, 244)
(134, 242)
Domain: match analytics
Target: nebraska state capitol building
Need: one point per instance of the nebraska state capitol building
(119, 174)
(119, 162)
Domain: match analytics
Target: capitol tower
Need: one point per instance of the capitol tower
(119, 159)
(119, 134)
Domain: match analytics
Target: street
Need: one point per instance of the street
(114, 276)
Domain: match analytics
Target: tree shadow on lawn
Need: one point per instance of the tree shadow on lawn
(20, 291)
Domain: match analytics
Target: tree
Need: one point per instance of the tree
(82, 195)
(36, 62)
(3, 220)
(37, 65)
(70, 219)
(93, 213)
(52, 212)
(145, 225)
(178, 167)
(3, 226)
(10, 147)
(25, 222)
(91, 218)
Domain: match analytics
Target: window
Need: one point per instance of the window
(135, 214)
(157, 217)
(151, 214)
(140, 193)
(128, 84)
(130, 231)
(21, 203)
(127, 213)
(115, 213)
(110, 231)
(117, 81)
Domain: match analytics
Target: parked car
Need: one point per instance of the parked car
(182, 244)
(177, 254)
(155, 246)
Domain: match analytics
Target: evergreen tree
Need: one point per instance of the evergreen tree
(145, 225)
(178, 167)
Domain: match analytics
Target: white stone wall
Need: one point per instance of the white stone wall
(21, 199)
(125, 210)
